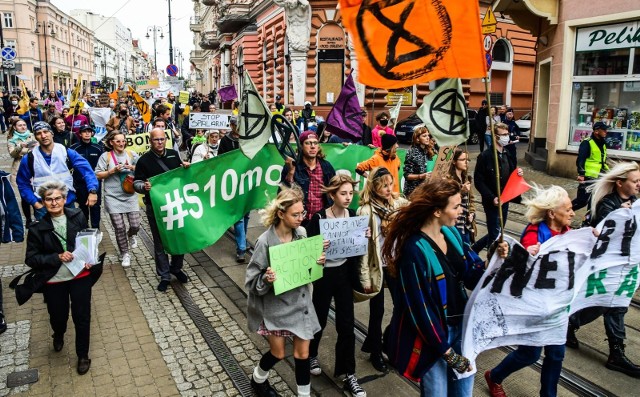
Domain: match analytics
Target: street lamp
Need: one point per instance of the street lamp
(155, 30)
(45, 25)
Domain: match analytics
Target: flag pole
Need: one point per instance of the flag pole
(495, 156)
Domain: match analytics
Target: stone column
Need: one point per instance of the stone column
(226, 66)
(299, 76)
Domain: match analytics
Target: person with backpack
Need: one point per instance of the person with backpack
(49, 161)
(115, 167)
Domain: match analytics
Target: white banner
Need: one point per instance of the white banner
(209, 121)
(100, 117)
(525, 300)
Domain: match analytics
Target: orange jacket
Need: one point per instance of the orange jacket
(393, 165)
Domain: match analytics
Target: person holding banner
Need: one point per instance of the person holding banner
(290, 314)
(114, 167)
(425, 254)
(155, 162)
(380, 202)
(618, 188)
(335, 284)
(549, 214)
(458, 171)
(420, 160)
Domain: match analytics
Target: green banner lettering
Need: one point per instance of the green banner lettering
(629, 284)
(594, 283)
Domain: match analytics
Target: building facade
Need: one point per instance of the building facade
(300, 51)
(53, 50)
(587, 70)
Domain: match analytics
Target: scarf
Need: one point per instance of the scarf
(384, 212)
(19, 136)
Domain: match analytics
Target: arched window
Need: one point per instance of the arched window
(501, 51)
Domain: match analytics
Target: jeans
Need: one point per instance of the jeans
(488, 140)
(91, 213)
(164, 268)
(440, 379)
(240, 230)
(524, 356)
(335, 284)
(493, 225)
(613, 320)
(57, 297)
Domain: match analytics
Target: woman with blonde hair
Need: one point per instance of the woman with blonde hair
(291, 313)
(420, 160)
(549, 213)
(20, 141)
(379, 202)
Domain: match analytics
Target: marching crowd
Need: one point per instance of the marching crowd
(422, 242)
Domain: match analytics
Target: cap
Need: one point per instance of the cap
(41, 125)
(233, 120)
(85, 127)
(306, 135)
(599, 125)
(388, 141)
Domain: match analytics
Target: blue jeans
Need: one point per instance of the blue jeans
(524, 356)
(440, 380)
(493, 225)
(240, 229)
(488, 141)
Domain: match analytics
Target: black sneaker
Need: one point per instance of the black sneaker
(162, 287)
(240, 258)
(181, 276)
(314, 365)
(352, 386)
(264, 389)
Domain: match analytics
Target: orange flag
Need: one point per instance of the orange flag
(114, 95)
(516, 185)
(141, 104)
(400, 43)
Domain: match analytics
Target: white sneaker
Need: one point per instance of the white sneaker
(314, 365)
(133, 242)
(126, 260)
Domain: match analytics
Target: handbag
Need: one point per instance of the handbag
(126, 179)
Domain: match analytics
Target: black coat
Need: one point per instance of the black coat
(43, 248)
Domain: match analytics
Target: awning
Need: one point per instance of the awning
(522, 12)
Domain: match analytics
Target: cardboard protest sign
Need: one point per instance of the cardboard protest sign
(295, 264)
(209, 121)
(141, 143)
(443, 161)
(345, 235)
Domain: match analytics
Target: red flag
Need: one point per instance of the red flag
(516, 185)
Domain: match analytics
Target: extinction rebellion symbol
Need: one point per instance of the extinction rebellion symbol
(448, 112)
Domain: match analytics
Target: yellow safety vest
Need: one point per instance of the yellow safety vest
(596, 162)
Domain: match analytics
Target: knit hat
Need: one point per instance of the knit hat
(233, 120)
(41, 125)
(306, 135)
(388, 141)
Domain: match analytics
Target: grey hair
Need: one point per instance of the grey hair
(543, 200)
(607, 183)
(53, 185)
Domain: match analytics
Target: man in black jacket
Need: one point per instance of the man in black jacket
(485, 182)
(621, 186)
(155, 162)
(481, 123)
(230, 141)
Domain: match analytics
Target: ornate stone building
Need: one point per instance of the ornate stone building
(299, 49)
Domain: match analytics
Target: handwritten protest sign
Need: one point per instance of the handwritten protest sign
(345, 235)
(443, 161)
(184, 97)
(141, 143)
(295, 263)
(209, 121)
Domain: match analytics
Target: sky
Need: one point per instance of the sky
(137, 15)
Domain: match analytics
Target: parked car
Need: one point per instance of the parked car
(405, 128)
(524, 124)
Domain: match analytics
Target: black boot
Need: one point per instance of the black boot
(619, 362)
(572, 340)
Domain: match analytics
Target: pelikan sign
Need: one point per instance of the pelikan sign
(609, 37)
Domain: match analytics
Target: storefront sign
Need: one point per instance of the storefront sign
(331, 37)
(609, 37)
(393, 98)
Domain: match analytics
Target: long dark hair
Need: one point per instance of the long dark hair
(452, 168)
(425, 200)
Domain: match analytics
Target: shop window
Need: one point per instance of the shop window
(501, 51)
(593, 63)
(330, 75)
(636, 61)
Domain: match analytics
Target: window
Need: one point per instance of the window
(330, 75)
(593, 63)
(501, 51)
(7, 20)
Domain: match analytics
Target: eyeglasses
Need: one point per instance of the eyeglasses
(159, 139)
(51, 200)
(311, 143)
(302, 214)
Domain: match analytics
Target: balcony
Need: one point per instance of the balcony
(234, 15)
(210, 40)
(196, 56)
(209, 2)
(195, 24)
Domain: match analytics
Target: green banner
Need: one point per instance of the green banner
(295, 263)
(195, 206)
